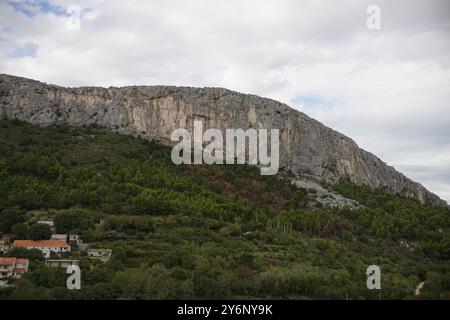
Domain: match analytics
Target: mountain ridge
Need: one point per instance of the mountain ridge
(307, 147)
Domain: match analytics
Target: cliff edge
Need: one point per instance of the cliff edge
(307, 147)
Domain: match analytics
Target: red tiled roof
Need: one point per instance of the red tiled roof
(22, 261)
(40, 243)
(20, 270)
(7, 261)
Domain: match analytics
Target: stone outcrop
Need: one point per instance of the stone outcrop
(324, 196)
(307, 147)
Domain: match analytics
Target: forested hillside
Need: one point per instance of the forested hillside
(198, 231)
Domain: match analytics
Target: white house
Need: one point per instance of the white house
(100, 254)
(60, 237)
(13, 267)
(4, 245)
(46, 246)
(62, 263)
(74, 237)
(49, 223)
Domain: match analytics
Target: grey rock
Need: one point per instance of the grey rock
(323, 195)
(307, 147)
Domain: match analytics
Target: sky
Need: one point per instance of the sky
(385, 84)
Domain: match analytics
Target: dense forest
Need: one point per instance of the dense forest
(199, 231)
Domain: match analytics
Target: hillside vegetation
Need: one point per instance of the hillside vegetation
(198, 231)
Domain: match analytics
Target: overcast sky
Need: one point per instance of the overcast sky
(388, 89)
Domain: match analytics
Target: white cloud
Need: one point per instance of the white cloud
(387, 89)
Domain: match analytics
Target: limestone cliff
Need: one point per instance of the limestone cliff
(307, 147)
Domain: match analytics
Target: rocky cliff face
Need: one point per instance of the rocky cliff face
(307, 147)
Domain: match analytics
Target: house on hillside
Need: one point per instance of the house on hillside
(5, 245)
(60, 237)
(45, 246)
(76, 238)
(50, 223)
(100, 254)
(67, 238)
(13, 267)
(61, 263)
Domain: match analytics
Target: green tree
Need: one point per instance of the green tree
(10, 217)
(23, 253)
(73, 220)
(39, 231)
(19, 231)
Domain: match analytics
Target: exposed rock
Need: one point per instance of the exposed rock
(153, 112)
(323, 195)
